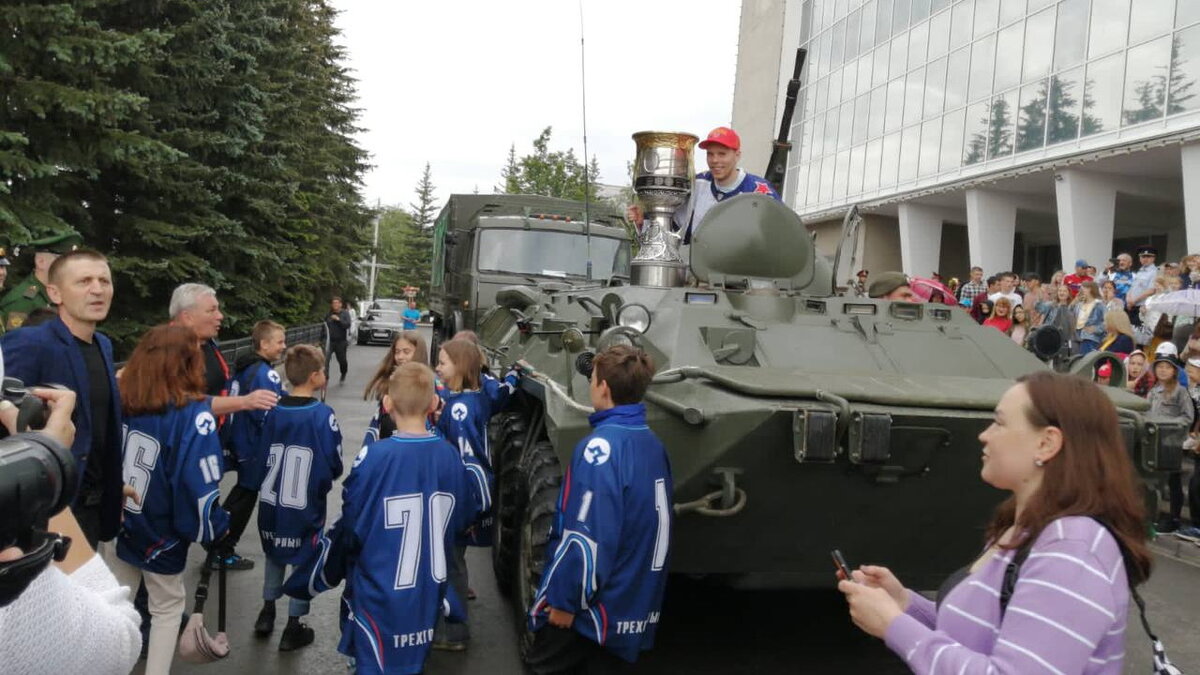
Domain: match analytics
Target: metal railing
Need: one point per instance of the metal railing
(312, 334)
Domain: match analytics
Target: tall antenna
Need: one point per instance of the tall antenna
(587, 219)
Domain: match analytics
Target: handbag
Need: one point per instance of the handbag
(1161, 664)
(196, 645)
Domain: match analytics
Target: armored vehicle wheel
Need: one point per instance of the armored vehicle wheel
(508, 437)
(542, 480)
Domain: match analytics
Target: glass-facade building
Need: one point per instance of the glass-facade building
(904, 95)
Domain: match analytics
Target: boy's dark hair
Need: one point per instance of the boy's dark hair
(411, 389)
(1033, 276)
(627, 371)
(992, 280)
(300, 362)
(263, 330)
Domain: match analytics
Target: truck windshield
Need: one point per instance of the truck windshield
(551, 254)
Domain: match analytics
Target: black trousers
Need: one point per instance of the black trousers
(240, 505)
(338, 349)
(88, 518)
(563, 651)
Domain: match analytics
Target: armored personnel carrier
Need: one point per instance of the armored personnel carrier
(797, 421)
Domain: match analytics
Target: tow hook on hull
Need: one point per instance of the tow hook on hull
(727, 501)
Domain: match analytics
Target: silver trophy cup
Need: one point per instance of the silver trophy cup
(662, 179)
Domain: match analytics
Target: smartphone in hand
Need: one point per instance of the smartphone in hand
(839, 562)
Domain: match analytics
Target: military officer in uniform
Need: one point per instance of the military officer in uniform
(30, 294)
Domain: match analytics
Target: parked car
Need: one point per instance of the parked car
(379, 327)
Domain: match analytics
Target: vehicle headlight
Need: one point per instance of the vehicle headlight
(634, 316)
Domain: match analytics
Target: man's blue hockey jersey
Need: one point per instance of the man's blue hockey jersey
(464, 422)
(706, 194)
(611, 535)
(245, 427)
(302, 444)
(173, 461)
(403, 502)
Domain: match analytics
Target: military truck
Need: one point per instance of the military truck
(482, 243)
(797, 421)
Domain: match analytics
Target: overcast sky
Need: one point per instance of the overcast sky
(455, 83)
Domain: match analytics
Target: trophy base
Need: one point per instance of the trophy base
(656, 273)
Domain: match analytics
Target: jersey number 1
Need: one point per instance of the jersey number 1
(407, 512)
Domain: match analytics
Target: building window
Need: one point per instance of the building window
(1185, 69)
(856, 169)
(976, 134)
(935, 87)
(960, 24)
(1187, 14)
(1039, 42)
(914, 95)
(1102, 95)
(1011, 10)
(910, 152)
(918, 45)
(931, 132)
(1008, 66)
(1109, 26)
(1001, 124)
(899, 16)
(1070, 38)
(1152, 18)
(983, 54)
(952, 139)
(1064, 104)
(939, 35)
(1146, 81)
(1031, 116)
(957, 75)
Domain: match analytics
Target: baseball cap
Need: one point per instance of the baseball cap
(1082, 263)
(722, 136)
(1166, 349)
(1105, 369)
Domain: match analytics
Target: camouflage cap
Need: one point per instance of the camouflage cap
(886, 283)
(61, 243)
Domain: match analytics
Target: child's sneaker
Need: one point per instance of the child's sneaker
(265, 624)
(296, 635)
(1189, 533)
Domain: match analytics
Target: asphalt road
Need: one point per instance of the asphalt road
(704, 630)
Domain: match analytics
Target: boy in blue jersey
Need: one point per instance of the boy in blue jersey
(406, 498)
(602, 589)
(243, 430)
(301, 444)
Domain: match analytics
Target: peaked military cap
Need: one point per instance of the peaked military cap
(61, 243)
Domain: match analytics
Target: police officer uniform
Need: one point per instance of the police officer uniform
(30, 293)
(1143, 281)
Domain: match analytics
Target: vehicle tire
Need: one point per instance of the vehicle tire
(507, 442)
(543, 479)
(435, 341)
(361, 342)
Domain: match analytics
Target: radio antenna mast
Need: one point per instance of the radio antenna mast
(587, 219)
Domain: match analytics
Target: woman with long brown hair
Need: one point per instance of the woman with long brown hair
(172, 459)
(1076, 515)
(407, 346)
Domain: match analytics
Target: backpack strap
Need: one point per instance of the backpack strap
(1011, 572)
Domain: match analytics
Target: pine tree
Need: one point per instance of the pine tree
(416, 257)
(510, 177)
(1000, 128)
(549, 173)
(394, 223)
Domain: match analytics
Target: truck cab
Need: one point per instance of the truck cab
(482, 243)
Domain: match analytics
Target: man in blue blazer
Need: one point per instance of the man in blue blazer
(68, 350)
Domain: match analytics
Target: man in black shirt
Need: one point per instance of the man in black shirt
(68, 350)
(338, 323)
(196, 306)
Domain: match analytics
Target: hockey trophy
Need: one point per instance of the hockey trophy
(662, 179)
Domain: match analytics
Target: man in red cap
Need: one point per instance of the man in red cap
(723, 180)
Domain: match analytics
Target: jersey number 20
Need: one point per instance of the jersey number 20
(295, 464)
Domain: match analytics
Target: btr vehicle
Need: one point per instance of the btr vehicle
(482, 243)
(797, 421)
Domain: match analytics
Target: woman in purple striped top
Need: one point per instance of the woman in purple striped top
(1055, 445)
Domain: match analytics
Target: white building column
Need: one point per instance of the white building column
(1087, 205)
(920, 239)
(991, 230)
(1190, 156)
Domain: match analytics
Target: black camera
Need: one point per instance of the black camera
(31, 410)
(38, 478)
